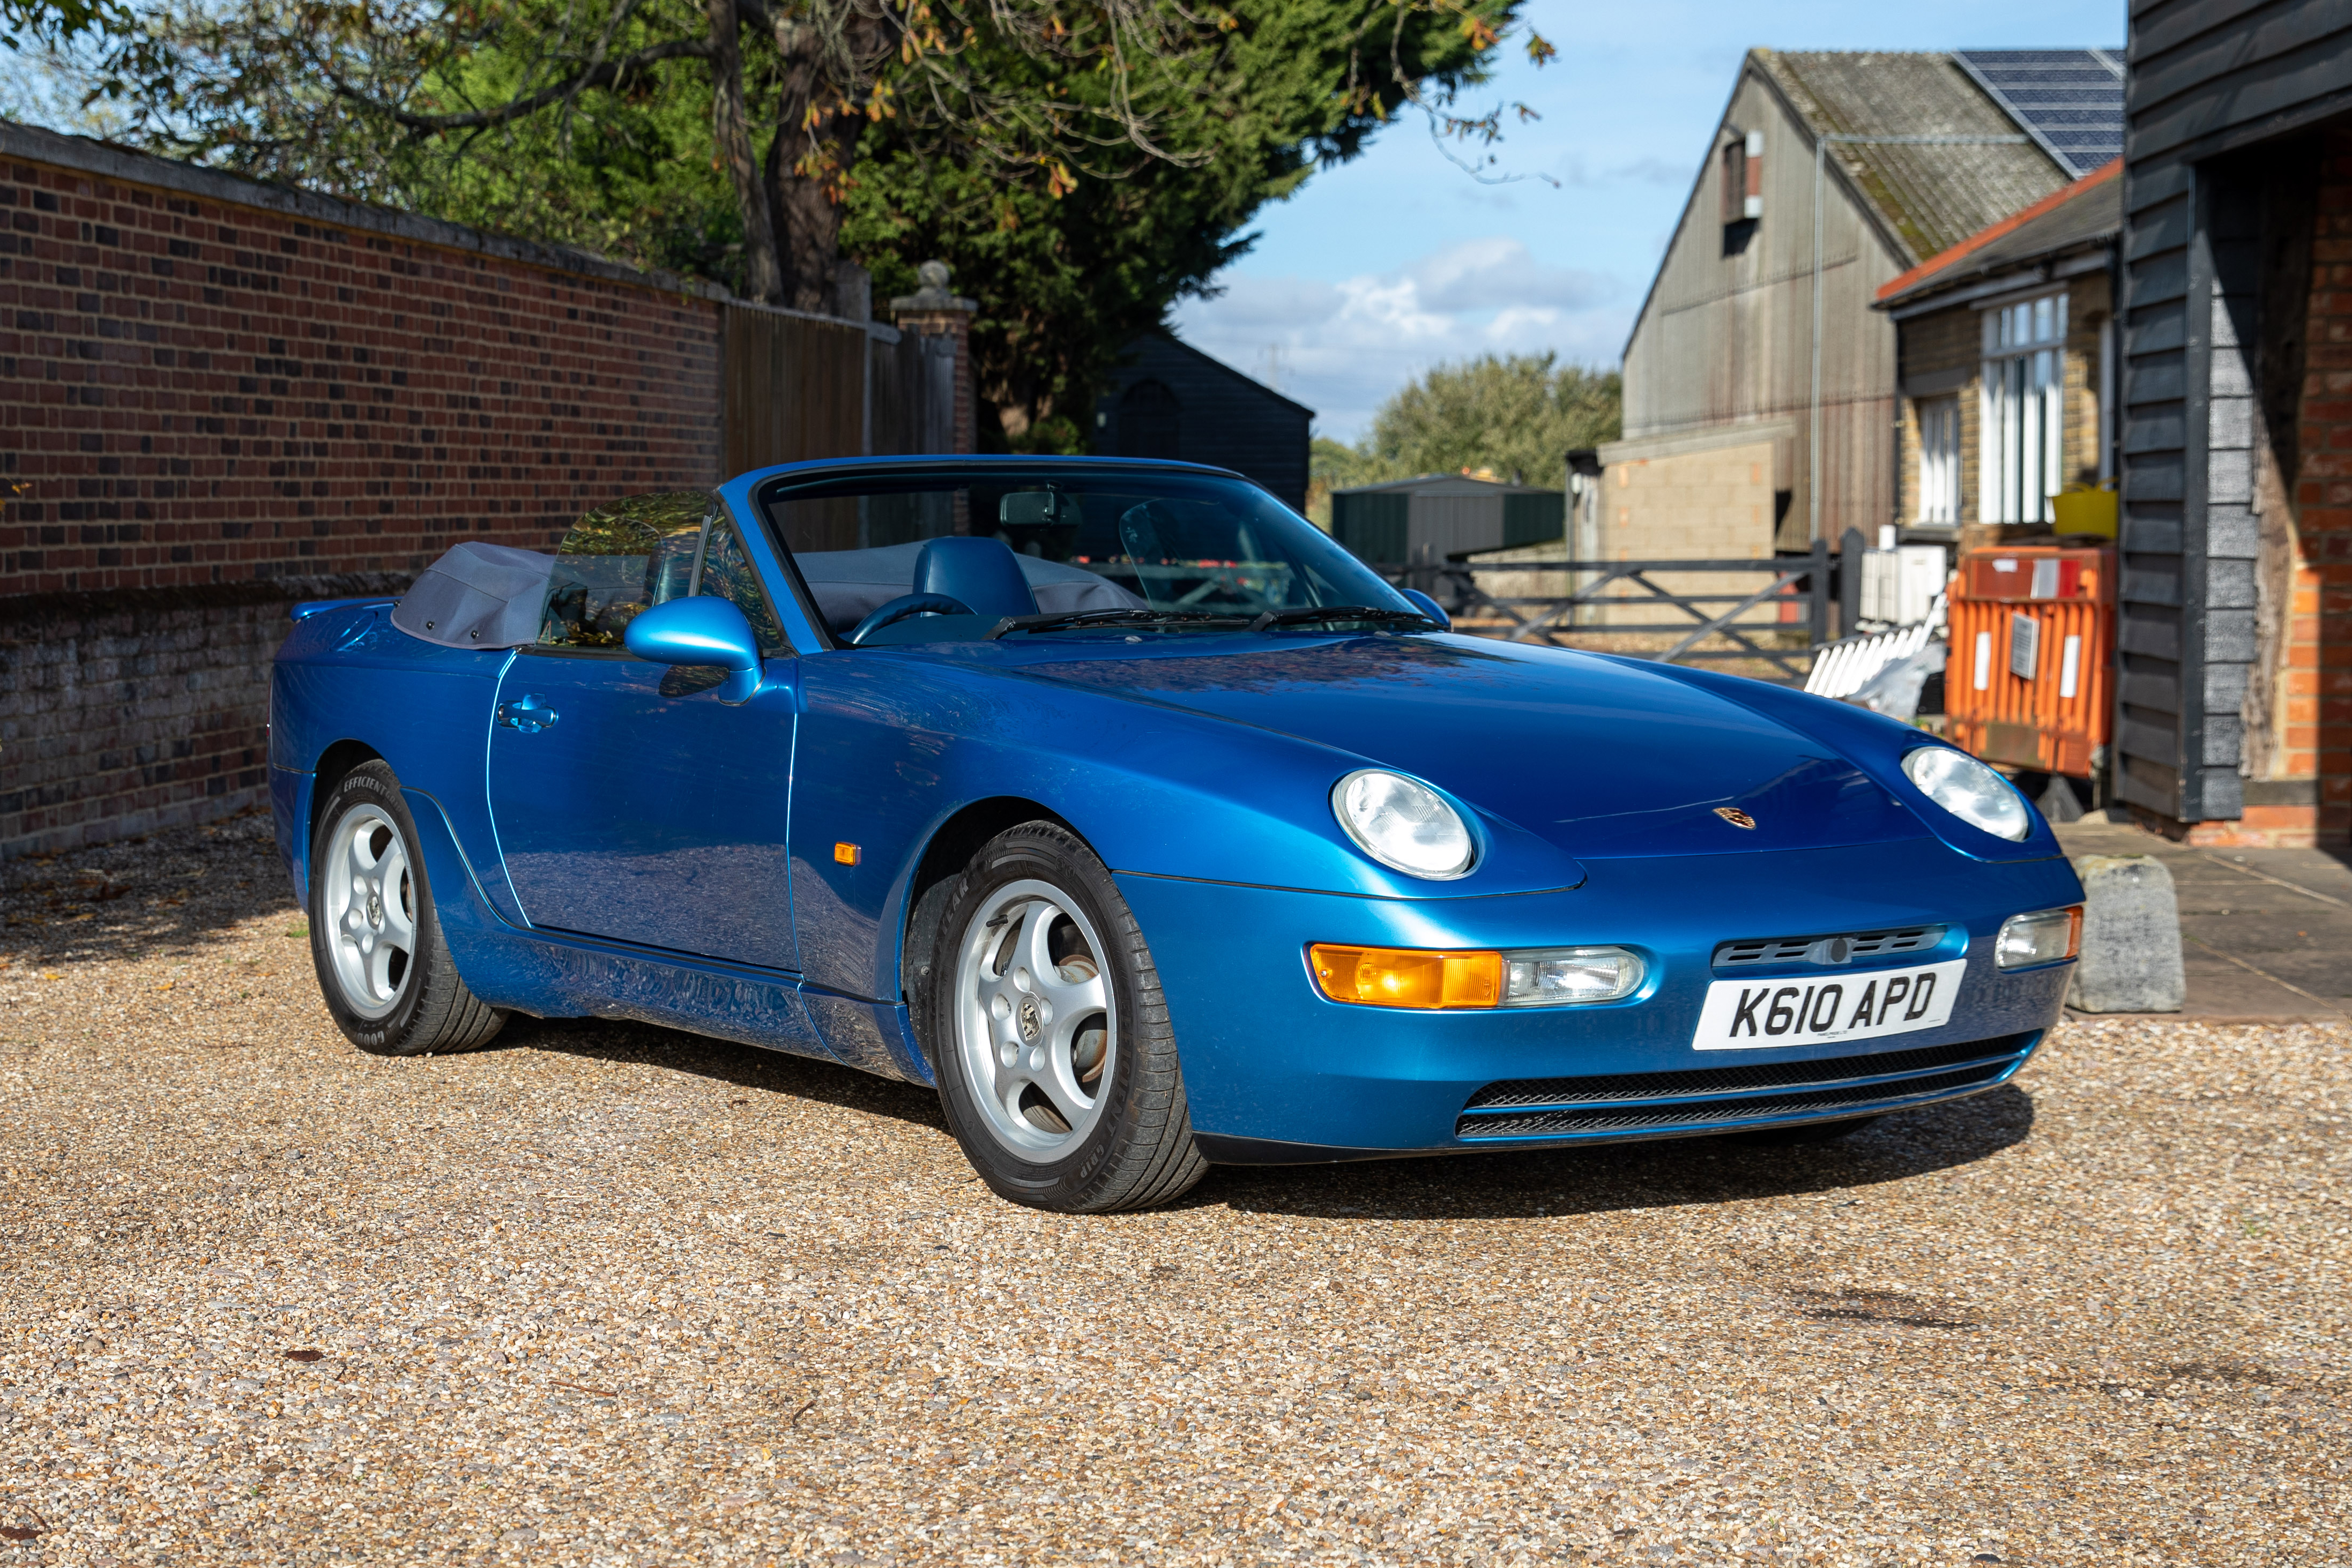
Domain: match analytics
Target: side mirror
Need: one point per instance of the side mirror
(705, 630)
(1428, 606)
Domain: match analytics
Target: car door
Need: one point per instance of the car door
(632, 804)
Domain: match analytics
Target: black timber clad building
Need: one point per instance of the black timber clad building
(1442, 517)
(2230, 106)
(1167, 399)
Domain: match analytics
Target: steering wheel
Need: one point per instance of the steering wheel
(905, 605)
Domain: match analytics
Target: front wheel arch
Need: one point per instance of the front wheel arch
(952, 845)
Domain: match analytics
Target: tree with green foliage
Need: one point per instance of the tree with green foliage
(1064, 283)
(1081, 165)
(53, 22)
(1516, 417)
(130, 62)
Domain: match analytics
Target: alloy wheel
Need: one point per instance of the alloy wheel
(371, 909)
(1036, 1030)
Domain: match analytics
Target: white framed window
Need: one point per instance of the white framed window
(1939, 460)
(2023, 452)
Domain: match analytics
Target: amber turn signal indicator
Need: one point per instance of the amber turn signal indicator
(1407, 977)
(845, 854)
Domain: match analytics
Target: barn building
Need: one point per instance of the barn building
(1760, 387)
(1167, 399)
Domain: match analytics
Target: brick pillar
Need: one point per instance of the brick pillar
(932, 311)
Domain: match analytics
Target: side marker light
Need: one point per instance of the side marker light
(847, 855)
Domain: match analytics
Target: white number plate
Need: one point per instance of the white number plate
(1743, 1015)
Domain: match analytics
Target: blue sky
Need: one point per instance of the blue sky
(1380, 268)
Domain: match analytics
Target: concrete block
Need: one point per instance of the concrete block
(2131, 938)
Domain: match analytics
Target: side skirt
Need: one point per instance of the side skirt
(549, 974)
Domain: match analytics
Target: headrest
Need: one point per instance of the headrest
(982, 572)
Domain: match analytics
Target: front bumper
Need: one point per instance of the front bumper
(1273, 1072)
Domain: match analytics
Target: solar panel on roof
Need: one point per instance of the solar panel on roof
(2069, 100)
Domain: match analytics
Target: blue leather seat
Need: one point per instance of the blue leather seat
(983, 573)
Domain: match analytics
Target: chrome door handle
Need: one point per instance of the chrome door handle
(527, 713)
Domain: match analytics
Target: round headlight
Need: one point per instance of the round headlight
(1969, 790)
(1403, 823)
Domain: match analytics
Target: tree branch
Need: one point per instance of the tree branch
(609, 73)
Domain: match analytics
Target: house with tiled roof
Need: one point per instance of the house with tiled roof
(1762, 392)
(2006, 364)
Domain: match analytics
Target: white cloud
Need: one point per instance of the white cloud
(1500, 274)
(1342, 348)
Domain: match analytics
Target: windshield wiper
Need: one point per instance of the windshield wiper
(1339, 612)
(1114, 618)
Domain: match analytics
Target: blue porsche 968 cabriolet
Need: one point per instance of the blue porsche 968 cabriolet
(1127, 808)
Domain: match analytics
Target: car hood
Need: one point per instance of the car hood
(1600, 758)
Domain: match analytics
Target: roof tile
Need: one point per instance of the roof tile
(1932, 196)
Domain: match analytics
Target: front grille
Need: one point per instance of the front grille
(1731, 1079)
(1623, 1102)
(1823, 949)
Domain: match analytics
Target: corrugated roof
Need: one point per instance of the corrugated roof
(1930, 197)
(2090, 211)
(2070, 100)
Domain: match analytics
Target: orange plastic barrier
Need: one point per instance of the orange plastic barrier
(2032, 656)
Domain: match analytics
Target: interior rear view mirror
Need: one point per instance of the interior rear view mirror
(1030, 509)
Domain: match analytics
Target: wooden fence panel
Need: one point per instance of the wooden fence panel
(914, 394)
(793, 388)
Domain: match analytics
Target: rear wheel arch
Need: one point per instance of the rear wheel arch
(334, 765)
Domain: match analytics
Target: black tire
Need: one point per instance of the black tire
(429, 1008)
(1137, 1152)
(1807, 1135)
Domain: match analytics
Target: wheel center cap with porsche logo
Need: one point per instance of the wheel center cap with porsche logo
(1030, 1025)
(1735, 816)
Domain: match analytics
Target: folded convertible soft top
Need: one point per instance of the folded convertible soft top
(478, 596)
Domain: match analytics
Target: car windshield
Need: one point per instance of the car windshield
(1080, 546)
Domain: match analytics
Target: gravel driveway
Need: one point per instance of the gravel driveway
(608, 1294)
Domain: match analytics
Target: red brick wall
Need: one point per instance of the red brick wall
(196, 392)
(214, 396)
(2319, 657)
